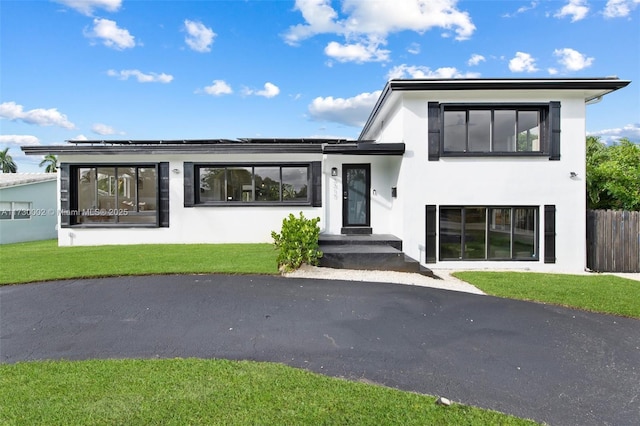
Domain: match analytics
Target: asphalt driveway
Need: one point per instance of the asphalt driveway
(554, 365)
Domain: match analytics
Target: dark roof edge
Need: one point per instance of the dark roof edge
(282, 148)
(609, 84)
(239, 141)
(366, 148)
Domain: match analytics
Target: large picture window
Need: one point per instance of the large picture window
(250, 184)
(111, 195)
(489, 233)
(494, 130)
(118, 194)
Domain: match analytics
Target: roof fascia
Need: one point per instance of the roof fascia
(603, 86)
(234, 148)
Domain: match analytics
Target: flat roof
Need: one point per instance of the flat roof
(219, 146)
(17, 179)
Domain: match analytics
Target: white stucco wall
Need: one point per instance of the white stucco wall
(384, 170)
(458, 181)
(491, 181)
(190, 225)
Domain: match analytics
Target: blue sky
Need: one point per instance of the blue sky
(119, 69)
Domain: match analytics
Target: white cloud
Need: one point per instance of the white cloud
(577, 9)
(351, 111)
(552, 71)
(320, 18)
(270, 90)
(102, 129)
(40, 116)
(619, 8)
(19, 140)
(218, 88)
(111, 35)
(522, 62)
(366, 24)
(357, 52)
(86, 7)
(521, 10)
(572, 60)
(140, 76)
(414, 48)
(80, 137)
(412, 71)
(199, 37)
(475, 59)
(630, 131)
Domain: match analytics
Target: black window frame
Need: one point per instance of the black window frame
(549, 129)
(192, 184)
(69, 197)
(512, 257)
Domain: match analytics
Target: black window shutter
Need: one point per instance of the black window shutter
(163, 172)
(430, 246)
(316, 184)
(554, 136)
(189, 183)
(433, 114)
(65, 202)
(549, 234)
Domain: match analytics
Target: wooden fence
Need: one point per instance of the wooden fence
(613, 241)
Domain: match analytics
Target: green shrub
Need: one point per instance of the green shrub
(297, 242)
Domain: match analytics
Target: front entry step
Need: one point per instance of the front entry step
(367, 252)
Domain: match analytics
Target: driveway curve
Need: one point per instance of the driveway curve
(547, 363)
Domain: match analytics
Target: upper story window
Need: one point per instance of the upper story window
(494, 130)
(252, 184)
(491, 130)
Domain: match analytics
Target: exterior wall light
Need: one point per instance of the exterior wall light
(334, 171)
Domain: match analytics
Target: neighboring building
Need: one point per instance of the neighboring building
(28, 209)
(468, 173)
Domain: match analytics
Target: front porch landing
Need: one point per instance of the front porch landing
(376, 252)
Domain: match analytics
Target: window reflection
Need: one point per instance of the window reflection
(263, 183)
(116, 195)
(494, 233)
(485, 130)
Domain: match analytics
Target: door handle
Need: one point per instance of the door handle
(345, 195)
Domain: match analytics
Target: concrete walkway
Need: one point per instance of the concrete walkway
(547, 363)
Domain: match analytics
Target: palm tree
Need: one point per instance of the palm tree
(7, 165)
(51, 161)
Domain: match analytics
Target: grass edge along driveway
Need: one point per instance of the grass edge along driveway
(196, 391)
(602, 293)
(45, 261)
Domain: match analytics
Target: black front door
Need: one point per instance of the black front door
(356, 201)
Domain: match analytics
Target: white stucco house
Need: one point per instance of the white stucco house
(466, 173)
(28, 207)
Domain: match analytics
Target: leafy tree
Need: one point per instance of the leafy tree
(6, 162)
(613, 175)
(51, 161)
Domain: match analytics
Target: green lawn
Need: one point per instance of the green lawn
(598, 293)
(44, 260)
(209, 392)
(225, 392)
